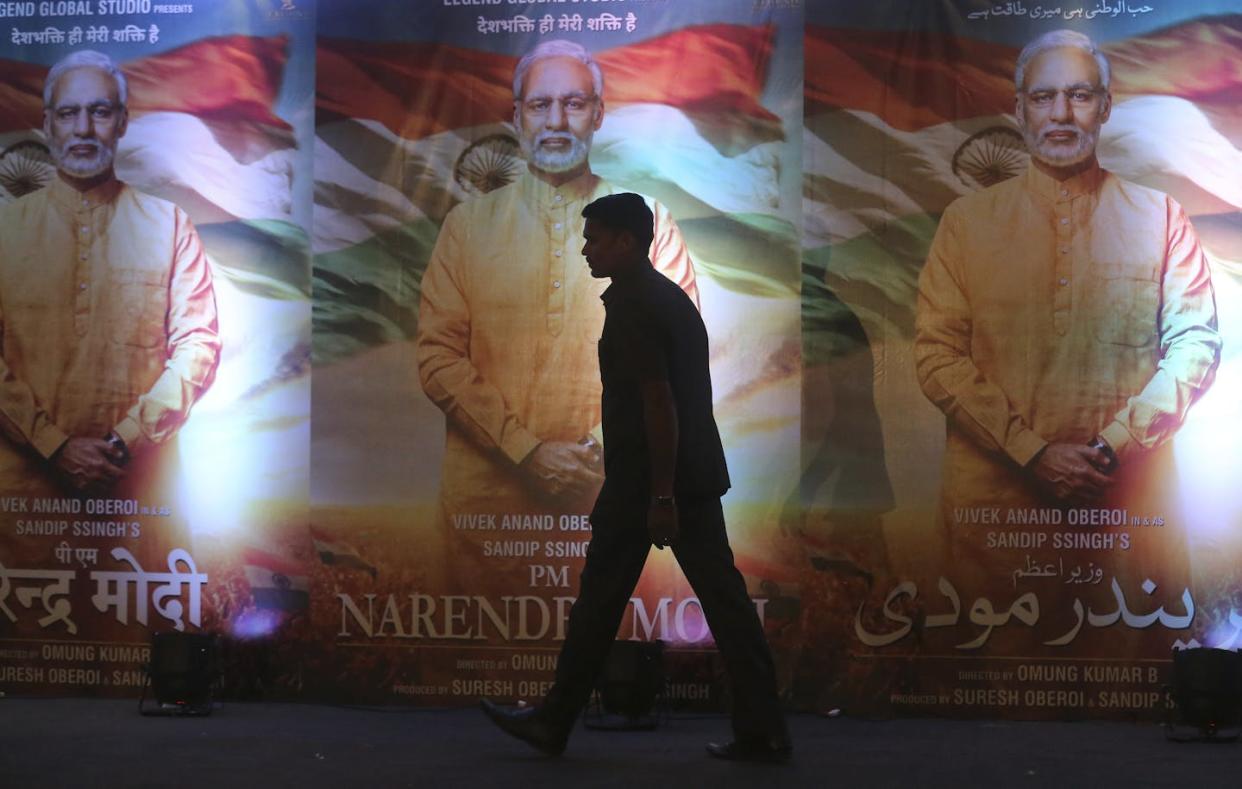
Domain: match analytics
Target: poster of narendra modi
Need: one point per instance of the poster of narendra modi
(456, 440)
(155, 299)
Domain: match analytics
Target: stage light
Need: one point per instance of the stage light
(1207, 692)
(628, 688)
(182, 674)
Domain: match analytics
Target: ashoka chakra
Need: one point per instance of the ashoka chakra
(995, 154)
(25, 167)
(489, 163)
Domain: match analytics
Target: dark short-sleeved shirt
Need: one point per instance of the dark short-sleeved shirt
(652, 331)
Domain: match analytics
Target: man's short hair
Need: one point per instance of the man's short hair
(86, 58)
(625, 211)
(557, 48)
(1055, 39)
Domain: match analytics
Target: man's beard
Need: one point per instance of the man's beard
(550, 161)
(1057, 155)
(100, 161)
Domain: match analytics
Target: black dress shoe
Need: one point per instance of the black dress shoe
(526, 724)
(769, 751)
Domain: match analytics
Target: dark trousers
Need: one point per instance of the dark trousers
(614, 561)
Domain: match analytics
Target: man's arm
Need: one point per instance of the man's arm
(642, 353)
(1189, 346)
(85, 464)
(660, 425)
(945, 370)
(193, 346)
(23, 419)
(442, 351)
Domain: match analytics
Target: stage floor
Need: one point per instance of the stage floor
(105, 743)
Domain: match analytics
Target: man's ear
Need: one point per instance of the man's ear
(631, 241)
(599, 115)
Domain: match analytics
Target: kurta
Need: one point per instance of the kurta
(507, 332)
(107, 322)
(1052, 311)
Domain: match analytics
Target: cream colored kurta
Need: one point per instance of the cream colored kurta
(1051, 311)
(107, 322)
(507, 332)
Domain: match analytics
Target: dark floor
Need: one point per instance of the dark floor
(105, 743)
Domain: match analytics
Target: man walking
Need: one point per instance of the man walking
(664, 473)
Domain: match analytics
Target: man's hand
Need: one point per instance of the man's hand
(88, 465)
(560, 468)
(1072, 472)
(662, 523)
(594, 451)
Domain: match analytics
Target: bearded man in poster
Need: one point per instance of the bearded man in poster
(107, 311)
(509, 316)
(1066, 320)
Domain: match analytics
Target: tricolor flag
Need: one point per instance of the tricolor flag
(335, 551)
(900, 123)
(275, 581)
(406, 131)
(202, 132)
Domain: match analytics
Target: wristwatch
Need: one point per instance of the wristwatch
(118, 444)
(664, 501)
(1099, 443)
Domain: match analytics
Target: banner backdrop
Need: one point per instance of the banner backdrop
(456, 321)
(833, 184)
(218, 114)
(985, 596)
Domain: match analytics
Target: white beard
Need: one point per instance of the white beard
(1059, 155)
(79, 167)
(556, 161)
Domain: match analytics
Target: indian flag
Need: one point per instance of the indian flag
(335, 551)
(406, 131)
(202, 134)
(899, 125)
(276, 582)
